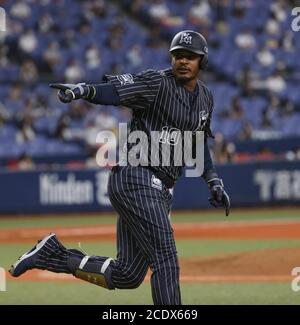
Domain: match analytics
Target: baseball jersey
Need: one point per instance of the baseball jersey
(160, 103)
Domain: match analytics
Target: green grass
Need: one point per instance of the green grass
(56, 221)
(237, 294)
(237, 215)
(189, 248)
(26, 292)
(194, 294)
(197, 216)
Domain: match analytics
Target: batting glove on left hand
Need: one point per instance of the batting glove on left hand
(69, 92)
(219, 197)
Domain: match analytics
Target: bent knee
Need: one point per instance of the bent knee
(131, 281)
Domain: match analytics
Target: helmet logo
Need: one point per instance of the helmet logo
(205, 49)
(185, 38)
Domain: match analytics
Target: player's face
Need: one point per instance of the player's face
(185, 65)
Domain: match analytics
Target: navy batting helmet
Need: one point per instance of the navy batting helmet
(193, 42)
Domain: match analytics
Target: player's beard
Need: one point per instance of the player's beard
(183, 80)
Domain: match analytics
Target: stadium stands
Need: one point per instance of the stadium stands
(253, 63)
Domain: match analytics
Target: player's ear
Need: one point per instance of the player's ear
(172, 59)
(200, 61)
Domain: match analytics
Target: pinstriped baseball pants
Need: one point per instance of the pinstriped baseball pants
(144, 234)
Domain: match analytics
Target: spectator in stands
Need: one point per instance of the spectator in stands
(245, 40)
(160, 13)
(279, 9)
(117, 28)
(97, 8)
(115, 38)
(222, 151)
(136, 6)
(235, 110)
(84, 31)
(292, 155)
(25, 131)
(3, 56)
(199, 13)
(275, 83)
(93, 57)
(245, 80)
(159, 10)
(28, 42)
(28, 72)
(68, 38)
(74, 72)
(134, 56)
(15, 99)
(265, 57)
(20, 46)
(52, 56)
(266, 118)
(286, 108)
(25, 163)
(5, 115)
(16, 92)
(272, 26)
(239, 9)
(246, 131)
(287, 41)
(20, 9)
(62, 125)
(45, 23)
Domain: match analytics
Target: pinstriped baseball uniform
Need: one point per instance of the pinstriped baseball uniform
(160, 103)
(139, 186)
(140, 195)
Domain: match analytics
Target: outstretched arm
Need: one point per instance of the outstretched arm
(104, 93)
(135, 91)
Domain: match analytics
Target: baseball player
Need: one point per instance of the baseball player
(160, 100)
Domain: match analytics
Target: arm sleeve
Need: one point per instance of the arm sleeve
(209, 168)
(104, 94)
(208, 164)
(136, 91)
(208, 132)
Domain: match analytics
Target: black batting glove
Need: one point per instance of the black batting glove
(69, 92)
(219, 197)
